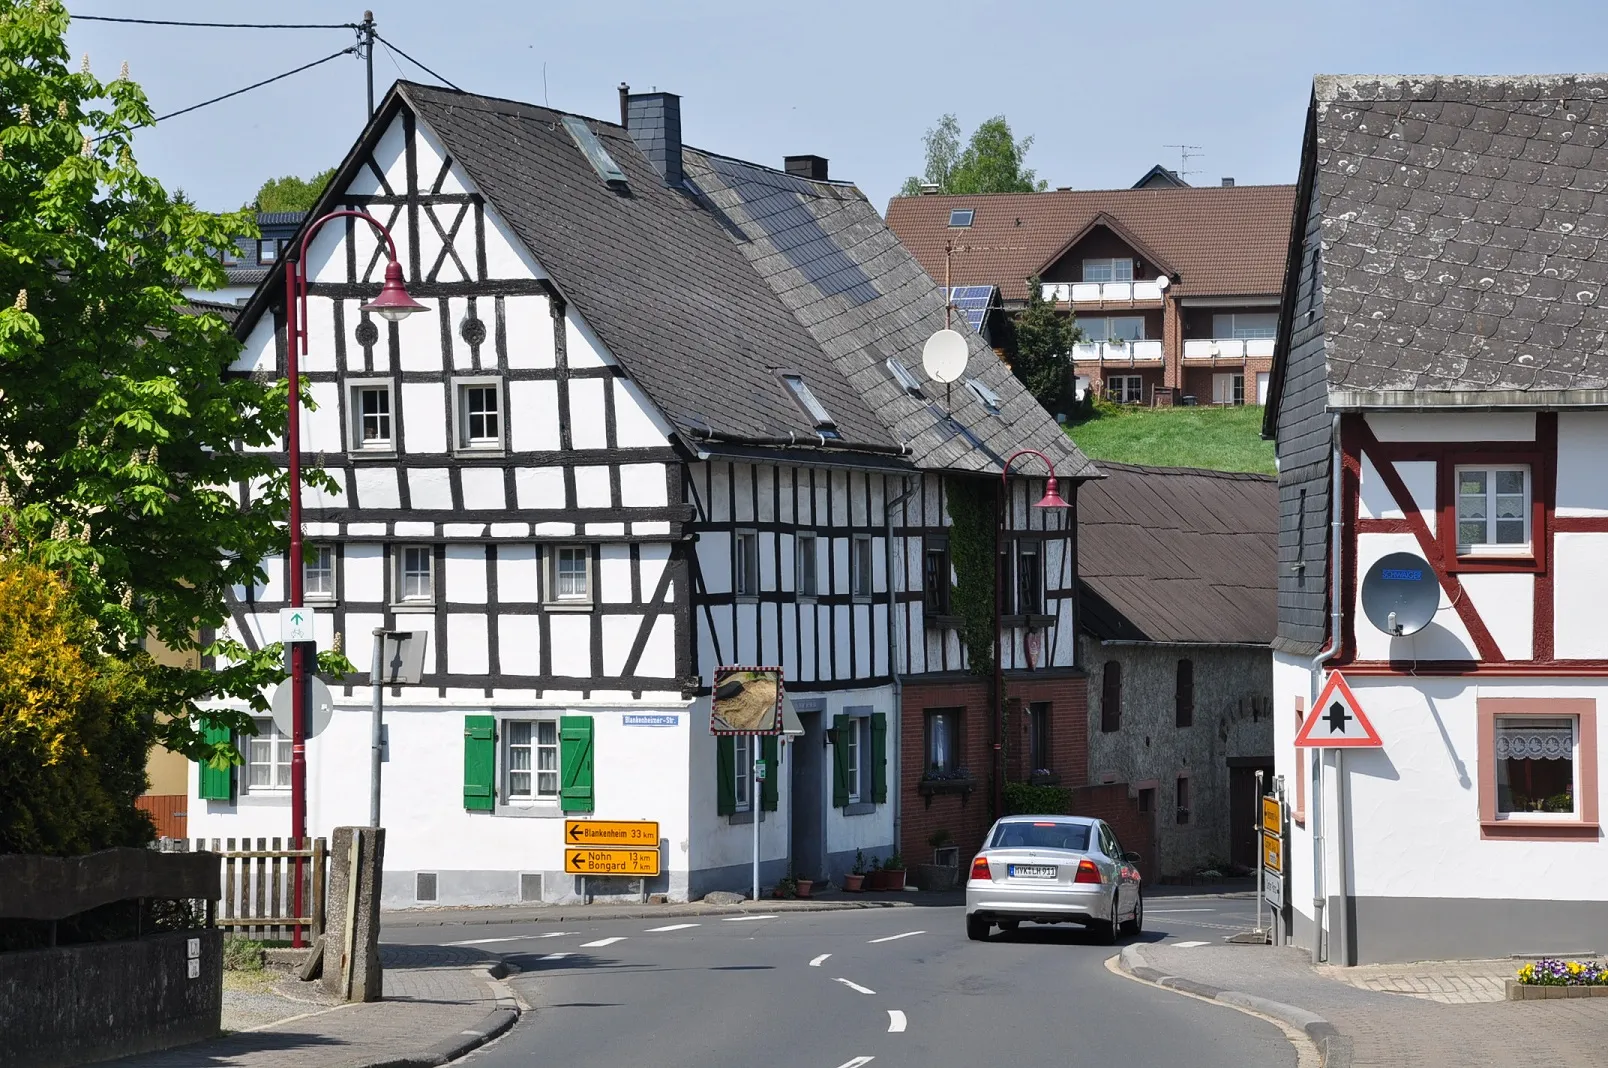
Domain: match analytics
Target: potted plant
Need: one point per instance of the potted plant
(803, 887)
(787, 887)
(942, 872)
(893, 873)
(855, 879)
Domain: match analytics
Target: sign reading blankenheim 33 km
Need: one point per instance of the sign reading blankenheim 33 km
(619, 834)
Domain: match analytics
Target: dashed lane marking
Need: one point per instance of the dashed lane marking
(671, 927)
(1159, 912)
(896, 1022)
(511, 938)
(602, 942)
(895, 938)
(816, 963)
(1190, 945)
(740, 919)
(857, 1062)
(554, 956)
(852, 985)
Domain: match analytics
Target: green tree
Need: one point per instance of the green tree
(1043, 352)
(122, 435)
(991, 162)
(290, 193)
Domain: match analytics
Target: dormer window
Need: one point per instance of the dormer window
(822, 419)
(985, 396)
(903, 375)
(961, 217)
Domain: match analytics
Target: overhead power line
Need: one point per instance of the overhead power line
(416, 63)
(223, 25)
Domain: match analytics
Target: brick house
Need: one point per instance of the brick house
(1176, 288)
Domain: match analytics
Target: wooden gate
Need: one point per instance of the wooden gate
(259, 881)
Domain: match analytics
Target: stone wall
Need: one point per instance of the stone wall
(1232, 719)
(76, 1004)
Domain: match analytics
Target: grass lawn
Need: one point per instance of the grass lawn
(1219, 438)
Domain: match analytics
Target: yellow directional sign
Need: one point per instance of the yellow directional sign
(1272, 816)
(611, 861)
(613, 834)
(1272, 853)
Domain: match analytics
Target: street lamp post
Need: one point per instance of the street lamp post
(1051, 499)
(393, 304)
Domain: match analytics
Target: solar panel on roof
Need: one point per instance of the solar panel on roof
(974, 301)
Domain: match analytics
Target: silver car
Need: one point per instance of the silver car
(1054, 869)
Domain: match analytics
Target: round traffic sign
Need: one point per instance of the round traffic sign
(319, 709)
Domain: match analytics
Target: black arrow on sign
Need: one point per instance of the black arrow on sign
(575, 834)
(580, 862)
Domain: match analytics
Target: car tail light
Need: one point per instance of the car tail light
(980, 869)
(1087, 872)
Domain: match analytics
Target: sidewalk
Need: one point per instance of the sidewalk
(440, 1003)
(1428, 1015)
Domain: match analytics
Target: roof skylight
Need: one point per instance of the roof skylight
(961, 217)
(902, 375)
(593, 150)
(985, 396)
(806, 399)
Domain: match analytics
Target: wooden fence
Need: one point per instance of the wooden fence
(258, 899)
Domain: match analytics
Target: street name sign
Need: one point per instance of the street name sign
(1337, 721)
(613, 834)
(296, 624)
(628, 862)
(1273, 886)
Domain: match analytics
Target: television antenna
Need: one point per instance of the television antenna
(1185, 154)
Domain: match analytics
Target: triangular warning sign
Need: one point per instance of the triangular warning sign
(1337, 720)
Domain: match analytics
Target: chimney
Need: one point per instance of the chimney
(625, 111)
(1228, 181)
(929, 188)
(654, 120)
(811, 167)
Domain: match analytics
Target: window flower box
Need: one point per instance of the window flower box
(959, 782)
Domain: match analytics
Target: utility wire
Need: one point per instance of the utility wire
(224, 25)
(237, 92)
(415, 62)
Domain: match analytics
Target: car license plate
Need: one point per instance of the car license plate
(1033, 871)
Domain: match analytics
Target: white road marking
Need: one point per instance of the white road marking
(896, 1022)
(854, 986)
(857, 1062)
(489, 941)
(895, 938)
(1158, 912)
(603, 942)
(740, 919)
(671, 927)
(816, 963)
(554, 956)
(1190, 945)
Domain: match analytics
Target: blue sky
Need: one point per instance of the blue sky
(1101, 85)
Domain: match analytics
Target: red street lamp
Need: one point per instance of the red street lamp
(1052, 499)
(394, 304)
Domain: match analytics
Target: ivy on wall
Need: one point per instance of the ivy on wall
(971, 551)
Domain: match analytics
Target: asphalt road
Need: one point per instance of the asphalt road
(880, 987)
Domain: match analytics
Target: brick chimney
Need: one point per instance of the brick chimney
(654, 120)
(811, 167)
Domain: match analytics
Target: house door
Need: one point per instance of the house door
(808, 798)
(1261, 387)
(1244, 814)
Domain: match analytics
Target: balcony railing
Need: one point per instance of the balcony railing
(1227, 348)
(1100, 292)
(1118, 351)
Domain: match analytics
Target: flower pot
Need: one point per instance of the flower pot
(937, 876)
(886, 879)
(853, 883)
(805, 886)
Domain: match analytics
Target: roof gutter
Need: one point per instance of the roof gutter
(795, 441)
(1187, 645)
(1483, 400)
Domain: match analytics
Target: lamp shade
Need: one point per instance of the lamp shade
(1052, 495)
(393, 302)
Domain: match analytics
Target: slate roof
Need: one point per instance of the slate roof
(1465, 235)
(194, 306)
(1171, 554)
(1222, 240)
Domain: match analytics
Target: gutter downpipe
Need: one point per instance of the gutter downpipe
(1336, 525)
(895, 650)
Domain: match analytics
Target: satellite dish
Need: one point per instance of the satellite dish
(944, 356)
(1163, 282)
(1400, 594)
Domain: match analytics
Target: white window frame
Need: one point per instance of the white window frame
(1488, 547)
(743, 757)
(852, 760)
(278, 757)
(806, 546)
(1104, 330)
(745, 564)
(268, 251)
(1234, 381)
(1104, 269)
(1122, 390)
(354, 423)
(315, 555)
(399, 596)
(555, 599)
(1252, 333)
(462, 416)
(862, 571)
(1574, 771)
(535, 747)
(970, 213)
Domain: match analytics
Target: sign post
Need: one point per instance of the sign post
(748, 701)
(398, 661)
(1261, 826)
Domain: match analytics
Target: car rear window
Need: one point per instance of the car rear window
(1041, 835)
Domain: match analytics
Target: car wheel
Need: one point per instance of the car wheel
(1135, 926)
(977, 929)
(1009, 925)
(1105, 931)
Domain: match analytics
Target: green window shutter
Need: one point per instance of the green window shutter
(575, 756)
(768, 749)
(217, 784)
(841, 725)
(479, 763)
(725, 775)
(879, 757)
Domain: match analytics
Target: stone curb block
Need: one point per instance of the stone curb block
(652, 912)
(488, 1027)
(1334, 1049)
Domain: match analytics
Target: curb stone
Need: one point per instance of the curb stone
(560, 914)
(1334, 1049)
(490, 1026)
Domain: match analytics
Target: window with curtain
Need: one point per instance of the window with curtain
(1535, 765)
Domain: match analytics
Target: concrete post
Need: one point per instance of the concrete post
(352, 928)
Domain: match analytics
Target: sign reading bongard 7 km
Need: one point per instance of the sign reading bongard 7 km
(611, 861)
